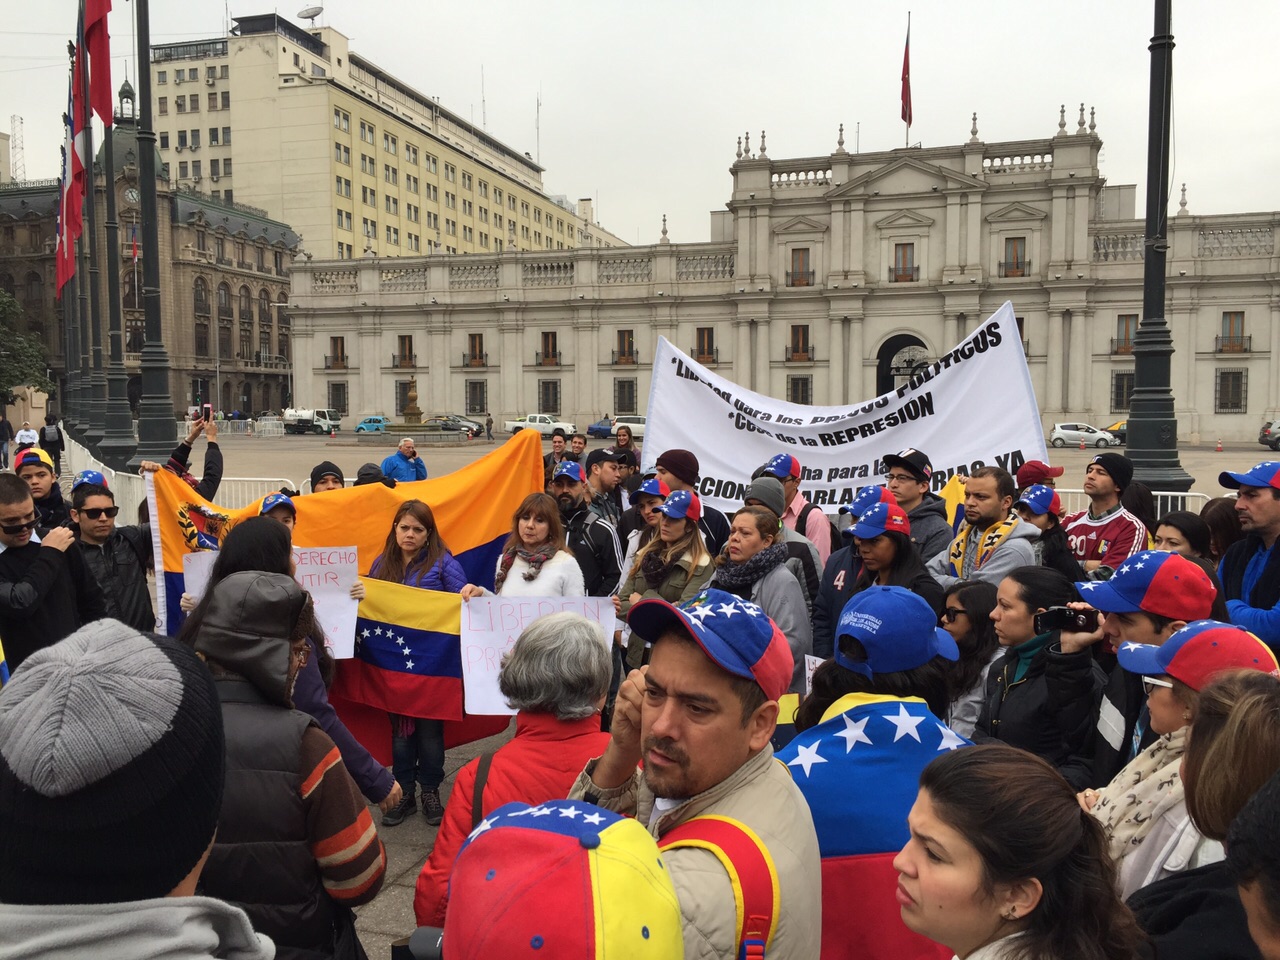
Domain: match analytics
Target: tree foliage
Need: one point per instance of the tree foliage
(23, 359)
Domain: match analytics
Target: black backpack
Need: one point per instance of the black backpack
(802, 524)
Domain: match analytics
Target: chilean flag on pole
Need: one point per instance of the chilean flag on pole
(906, 77)
(71, 192)
(98, 43)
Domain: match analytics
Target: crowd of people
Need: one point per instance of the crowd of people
(1032, 734)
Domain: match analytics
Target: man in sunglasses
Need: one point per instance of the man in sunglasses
(46, 591)
(117, 556)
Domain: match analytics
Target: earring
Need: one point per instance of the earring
(1186, 716)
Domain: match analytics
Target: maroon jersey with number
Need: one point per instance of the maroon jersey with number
(1110, 539)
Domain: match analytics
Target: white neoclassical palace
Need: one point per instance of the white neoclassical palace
(826, 279)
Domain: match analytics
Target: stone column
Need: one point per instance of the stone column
(1272, 340)
(1053, 390)
(741, 351)
(949, 335)
(763, 351)
(854, 352)
(953, 233)
(835, 363)
(1092, 403)
(1078, 361)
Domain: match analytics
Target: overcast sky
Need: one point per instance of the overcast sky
(642, 104)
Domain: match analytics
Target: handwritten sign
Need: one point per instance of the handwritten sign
(196, 568)
(327, 573)
(490, 627)
(811, 663)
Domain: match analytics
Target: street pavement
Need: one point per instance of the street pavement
(390, 916)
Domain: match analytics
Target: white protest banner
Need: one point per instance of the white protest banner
(328, 573)
(972, 406)
(490, 626)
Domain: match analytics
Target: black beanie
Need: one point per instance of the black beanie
(111, 769)
(1119, 468)
(326, 468)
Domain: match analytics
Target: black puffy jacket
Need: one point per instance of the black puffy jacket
(838, 578)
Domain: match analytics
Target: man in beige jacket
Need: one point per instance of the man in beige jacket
(700, 715)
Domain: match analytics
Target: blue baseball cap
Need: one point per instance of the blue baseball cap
(652, 487)
(571, 469)
(866, 497)
(274, 500)
(1040, 500)
(88, 476)
(1198, 651)
(735, 634)
(897, 628)
(1265, 474)
(881, 518)
(682, 504)
(782, 466)
(1153, 581)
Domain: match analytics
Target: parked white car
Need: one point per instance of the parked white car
(636, 423)
(544, 423)
(1070, 435)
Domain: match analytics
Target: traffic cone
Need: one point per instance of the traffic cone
(1082, 443)
(333, 433)
(1218, 448)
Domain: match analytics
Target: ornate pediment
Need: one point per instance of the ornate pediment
(801, 225)
(1016, 212)
(906, 176)
(904, 219)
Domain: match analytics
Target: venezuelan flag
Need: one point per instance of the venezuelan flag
(4, 667)
(472, 507)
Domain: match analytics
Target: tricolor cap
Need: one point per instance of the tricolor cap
(562, 879)
(735, 634)
(1153, 581)
(571, 469)
(879, 519)
(271, 501)
(1040, 500)
(864, 498)
(897, 628)
(88, 476)
(782, 466)
(32, 457)
(681, 505)
(653, 487)
(1199, 651)
(1265, 474)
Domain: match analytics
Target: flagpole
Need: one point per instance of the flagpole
(118, 444)
(157, 423)
(97, 378)
(906, 78)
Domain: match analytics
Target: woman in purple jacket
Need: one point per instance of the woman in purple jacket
(415, 555)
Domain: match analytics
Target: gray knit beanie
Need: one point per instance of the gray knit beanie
(768, 490)
(111, 768)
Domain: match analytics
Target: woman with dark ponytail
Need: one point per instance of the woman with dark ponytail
(1003, 864)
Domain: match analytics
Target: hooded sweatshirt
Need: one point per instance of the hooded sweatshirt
(167, 928)
(930, 531)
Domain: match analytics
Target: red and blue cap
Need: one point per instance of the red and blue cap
(653, 487)
(1166, 584)
(681, 505)
(781, 466)
(735, 634)
(32, 457)
(897, 628)
(1198, 651)
(1265, 474)
(561, 879)
(271, 501)
(1040, 500)
(571, 469)
(879, 519)
(866, 497)
(88, 476)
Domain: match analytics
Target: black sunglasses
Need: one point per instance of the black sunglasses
(13, 529)
(95, 513)
(950, 614)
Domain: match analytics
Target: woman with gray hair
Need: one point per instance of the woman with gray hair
(555, 677)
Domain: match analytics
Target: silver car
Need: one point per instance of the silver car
(1070, 434)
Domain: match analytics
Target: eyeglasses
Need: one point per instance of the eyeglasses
(13, 529)
(901, 478)
(949, 615)
(1149, 684)
(95, 513)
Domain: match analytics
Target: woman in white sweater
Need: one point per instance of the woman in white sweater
(535, 562)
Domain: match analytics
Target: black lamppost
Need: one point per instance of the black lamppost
(157, 427)
(1153, 428)
(117, 444)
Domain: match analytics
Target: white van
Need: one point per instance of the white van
(636, 423)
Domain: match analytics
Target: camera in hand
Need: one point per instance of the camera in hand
(1066, 620)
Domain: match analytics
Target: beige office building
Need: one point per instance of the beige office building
(827, 280)
(290, 120)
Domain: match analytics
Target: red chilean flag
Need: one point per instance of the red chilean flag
(906, 77)
(101, 96)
